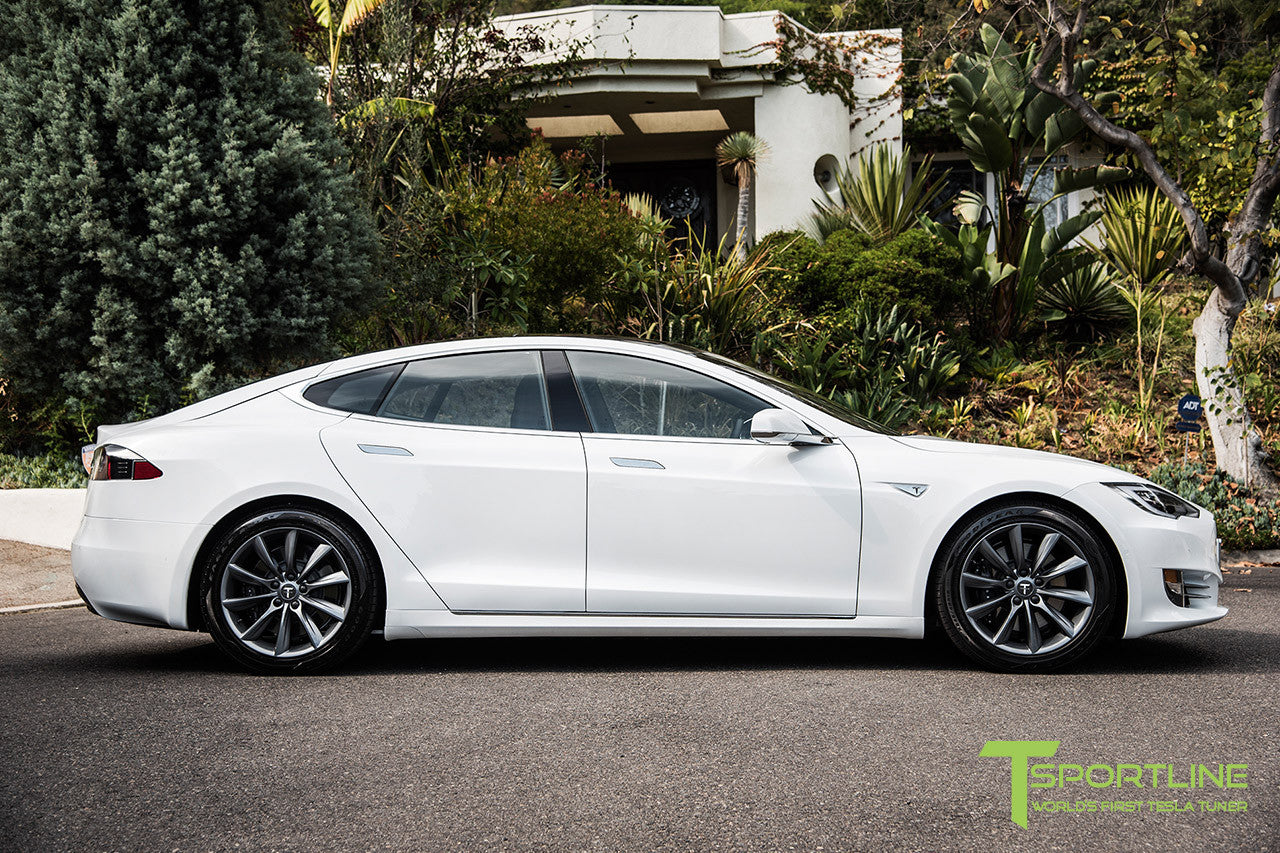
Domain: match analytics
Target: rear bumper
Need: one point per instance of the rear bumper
(1149, 544)
(136, 571)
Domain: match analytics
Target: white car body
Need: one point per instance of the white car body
(493, 531)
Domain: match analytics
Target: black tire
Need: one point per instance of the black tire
(297, 618)
(995, 604)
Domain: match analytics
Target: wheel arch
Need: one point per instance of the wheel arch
(195, 613)
(1022, 498)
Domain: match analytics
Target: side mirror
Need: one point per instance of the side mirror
(778, 426)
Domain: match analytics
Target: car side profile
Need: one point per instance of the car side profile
(584, 486)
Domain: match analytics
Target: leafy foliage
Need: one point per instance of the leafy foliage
(1001, 118)
(172, 216)
(1142, 235)
(524, 243)
(876, 361)
(711, 299)
(915, 271)
(1196, 100)
(428, 85)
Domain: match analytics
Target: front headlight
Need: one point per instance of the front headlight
(1156, 500)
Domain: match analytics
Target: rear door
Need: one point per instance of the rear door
(458, 461)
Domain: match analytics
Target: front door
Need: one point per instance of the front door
(684, 192)
(459, 464)
(688, 515)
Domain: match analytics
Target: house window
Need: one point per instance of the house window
(1055, 213)
(961, 176)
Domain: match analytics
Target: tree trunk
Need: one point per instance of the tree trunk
(1237, 446)
(744, 218)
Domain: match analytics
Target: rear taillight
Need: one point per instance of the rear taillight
(113, 462)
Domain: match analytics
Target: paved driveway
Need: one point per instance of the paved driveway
(117, 737)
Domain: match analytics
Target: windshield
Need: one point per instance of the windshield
(819, 402)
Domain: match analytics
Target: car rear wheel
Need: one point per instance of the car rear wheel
(289, 591)
(1025, 589)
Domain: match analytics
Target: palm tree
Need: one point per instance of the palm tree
(741, 153)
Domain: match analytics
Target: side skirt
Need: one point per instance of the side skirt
(415, 624)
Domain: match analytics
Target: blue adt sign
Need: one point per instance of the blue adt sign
(1189, 411)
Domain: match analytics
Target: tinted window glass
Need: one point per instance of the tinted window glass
(636, 396)
(356, 392)
(493, 389)
(822, 404)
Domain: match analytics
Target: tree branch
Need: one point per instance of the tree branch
(1265, 185)
(1059, 39)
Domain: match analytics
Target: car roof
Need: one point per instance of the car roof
(607, 343)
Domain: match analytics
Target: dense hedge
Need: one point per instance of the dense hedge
(914, 271)
(51, 471)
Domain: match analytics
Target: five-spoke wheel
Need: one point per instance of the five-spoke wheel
(289, 590)
(1025, 588)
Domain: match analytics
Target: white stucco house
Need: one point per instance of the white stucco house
(664, 84)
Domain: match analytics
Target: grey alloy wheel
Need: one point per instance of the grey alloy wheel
(286, 592)
(290, 590)
(1027, 588)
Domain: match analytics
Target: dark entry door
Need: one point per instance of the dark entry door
(684, 190)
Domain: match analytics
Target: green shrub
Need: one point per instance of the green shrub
(175, 215)
(877, 341)
(572, 233)
(788, 278)
(1245, 519)
(881, 194)
(878, 363)
(50, 471)
(916, 272)
(882, 403)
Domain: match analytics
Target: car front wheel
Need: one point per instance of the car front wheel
(289, 591)
(1025, 589)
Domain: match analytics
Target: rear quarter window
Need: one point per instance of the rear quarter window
(361, 392)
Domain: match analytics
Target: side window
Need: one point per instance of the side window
(492, 389)
(356, 392)
(636, 396)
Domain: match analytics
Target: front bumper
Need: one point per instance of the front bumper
(136, 571)
(1149, 544)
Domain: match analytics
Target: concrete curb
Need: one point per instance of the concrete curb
(54, 605)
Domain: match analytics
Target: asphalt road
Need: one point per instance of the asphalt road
(123, 738)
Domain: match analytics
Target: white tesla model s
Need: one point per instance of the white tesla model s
(554, 485)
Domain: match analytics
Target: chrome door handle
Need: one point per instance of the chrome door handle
(383, 450)
(625, 462)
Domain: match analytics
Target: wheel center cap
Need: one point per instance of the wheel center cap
(288, 591)
(1025, 587)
